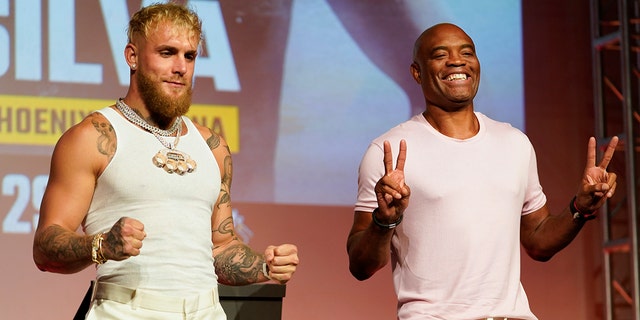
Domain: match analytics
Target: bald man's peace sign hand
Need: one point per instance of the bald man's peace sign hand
(391, 191)
(597, 184)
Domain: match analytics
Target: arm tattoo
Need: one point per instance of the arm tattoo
(59, 245)
(213, 141)
(226, 227)
(238, 265)
(107, 139)
(112, 244)
(225, 186)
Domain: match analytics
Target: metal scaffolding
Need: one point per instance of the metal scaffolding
(615, 31)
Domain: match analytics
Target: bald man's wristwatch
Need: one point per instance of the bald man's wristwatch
(580, 216)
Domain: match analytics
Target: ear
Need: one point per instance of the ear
(131, 56)
(415, 72)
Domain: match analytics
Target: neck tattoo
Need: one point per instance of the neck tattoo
(170, 159)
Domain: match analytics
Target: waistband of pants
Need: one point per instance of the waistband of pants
(144, 299)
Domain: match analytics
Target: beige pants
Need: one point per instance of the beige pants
(111, 301)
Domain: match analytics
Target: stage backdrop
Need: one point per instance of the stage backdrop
(297, 88)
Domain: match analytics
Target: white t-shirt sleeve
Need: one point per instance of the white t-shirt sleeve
(534, 197)
(370, 171)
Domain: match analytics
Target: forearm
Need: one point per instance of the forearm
(368, 251)
(543, 235)
(237, 264)
(553, 234)
(58, 250)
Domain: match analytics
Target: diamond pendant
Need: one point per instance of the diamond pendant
(172, 160)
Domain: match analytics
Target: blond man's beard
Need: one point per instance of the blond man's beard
(163, 109)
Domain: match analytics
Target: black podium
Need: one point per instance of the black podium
(252, 302)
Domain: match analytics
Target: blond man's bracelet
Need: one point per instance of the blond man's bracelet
(96, 249)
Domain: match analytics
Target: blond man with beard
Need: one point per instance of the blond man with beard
(150, 190)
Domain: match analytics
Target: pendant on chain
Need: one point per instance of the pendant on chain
(169, 159)
(174, 161)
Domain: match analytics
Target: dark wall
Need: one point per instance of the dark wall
(559, 121)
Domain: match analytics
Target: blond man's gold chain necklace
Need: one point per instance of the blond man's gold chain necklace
(170, 159)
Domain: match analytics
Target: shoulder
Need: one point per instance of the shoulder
(404, 130)
(213, 139)
(503, 136)
(503, 129)
(89, 144)
(93, 126)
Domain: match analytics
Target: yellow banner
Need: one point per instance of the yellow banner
(40, 121)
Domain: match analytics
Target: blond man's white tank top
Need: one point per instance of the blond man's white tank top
(176, 256)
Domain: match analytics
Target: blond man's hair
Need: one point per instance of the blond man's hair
(145, 21)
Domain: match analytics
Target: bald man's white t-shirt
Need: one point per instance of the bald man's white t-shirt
(456, 254)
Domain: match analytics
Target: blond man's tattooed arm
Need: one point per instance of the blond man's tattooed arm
(226, 170)
(235, 262)
(78, 158)
(66, 251)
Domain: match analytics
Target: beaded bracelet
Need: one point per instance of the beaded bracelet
(383, 225)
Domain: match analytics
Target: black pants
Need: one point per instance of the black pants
(84, 305)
